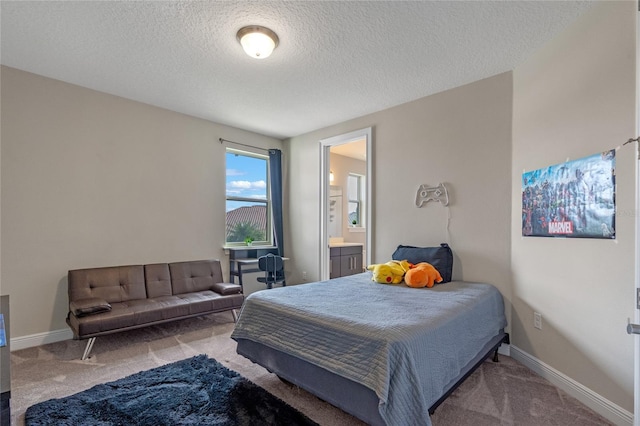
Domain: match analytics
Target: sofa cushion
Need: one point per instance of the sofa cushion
(133, 313)
(197, 275)
(121, 316)
(208, 301)
(173, 306)
(113, 284)
(157, 280)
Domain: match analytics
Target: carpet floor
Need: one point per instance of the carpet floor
(504, 393)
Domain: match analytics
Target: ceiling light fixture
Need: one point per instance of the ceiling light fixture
(258, 42)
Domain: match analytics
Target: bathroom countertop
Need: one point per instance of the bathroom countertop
(331, 245)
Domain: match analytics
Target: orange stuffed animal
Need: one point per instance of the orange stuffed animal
(422, 274)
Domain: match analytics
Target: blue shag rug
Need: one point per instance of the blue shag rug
(194, 391)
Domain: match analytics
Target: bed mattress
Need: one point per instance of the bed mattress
(404, 344)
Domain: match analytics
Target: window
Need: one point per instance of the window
(355, 186)
(248, 202)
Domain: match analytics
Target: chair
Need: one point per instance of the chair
(273, 267)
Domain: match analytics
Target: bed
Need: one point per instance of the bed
(387, 354)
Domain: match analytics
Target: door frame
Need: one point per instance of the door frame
(325, 151)
(636, 296)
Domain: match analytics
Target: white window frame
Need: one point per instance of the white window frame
(267, 202)
(361, 182)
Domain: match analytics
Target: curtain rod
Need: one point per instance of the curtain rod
(242, 144)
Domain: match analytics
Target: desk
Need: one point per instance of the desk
(245, 259)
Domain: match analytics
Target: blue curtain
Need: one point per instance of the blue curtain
(275, 175)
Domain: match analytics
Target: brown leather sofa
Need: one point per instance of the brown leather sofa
(117, 298)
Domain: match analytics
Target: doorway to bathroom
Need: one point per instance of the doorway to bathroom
(346, 198)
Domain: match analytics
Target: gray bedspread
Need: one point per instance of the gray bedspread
(405, 344)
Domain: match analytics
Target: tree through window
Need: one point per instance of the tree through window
(247, 198)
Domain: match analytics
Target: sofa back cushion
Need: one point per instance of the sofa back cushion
(158, 279)
(197, 275)
(112, 284)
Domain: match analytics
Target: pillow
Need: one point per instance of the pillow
(226, 288)
(90, 306)
(440, 257)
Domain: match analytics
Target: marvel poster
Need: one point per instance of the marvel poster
(576, 199)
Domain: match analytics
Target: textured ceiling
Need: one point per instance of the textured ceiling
(336, 60)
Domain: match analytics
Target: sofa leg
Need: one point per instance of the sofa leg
(235, 315)
(88, 348)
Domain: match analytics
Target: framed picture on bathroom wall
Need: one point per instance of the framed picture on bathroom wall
(575, 199)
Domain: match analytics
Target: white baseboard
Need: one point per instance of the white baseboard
(607, 409)
(505, 349)
(32, 340)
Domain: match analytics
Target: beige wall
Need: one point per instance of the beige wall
(451, 137)
(90, 179)
(574, 98)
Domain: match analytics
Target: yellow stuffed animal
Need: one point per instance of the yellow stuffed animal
(422, 274)
(391, 272)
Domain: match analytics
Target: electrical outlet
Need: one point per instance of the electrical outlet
(304, 275)
(537, 320)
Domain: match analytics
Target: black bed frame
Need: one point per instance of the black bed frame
(343, 393)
